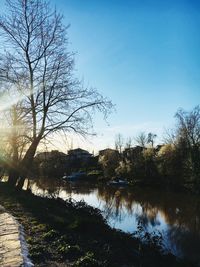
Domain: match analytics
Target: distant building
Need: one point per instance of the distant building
(61, 163)
(80, 159)
(52, 163)
(107, 151)
(80, 154)
(49, 155)
(133, 152)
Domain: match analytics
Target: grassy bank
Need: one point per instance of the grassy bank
(61, 233)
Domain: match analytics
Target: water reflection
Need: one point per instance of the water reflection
(175, 215)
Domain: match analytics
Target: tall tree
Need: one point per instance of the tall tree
(37, 66)
(188, 136)
(188, 126)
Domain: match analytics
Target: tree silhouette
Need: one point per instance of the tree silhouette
(37, 67)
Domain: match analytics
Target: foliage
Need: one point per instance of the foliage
(173, 164)
(87, 261)
(109, 162)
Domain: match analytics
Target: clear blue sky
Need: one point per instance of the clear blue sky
(143, 54)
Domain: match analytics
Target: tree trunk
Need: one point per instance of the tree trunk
(14, 163)
(13, 177)
(25, 165)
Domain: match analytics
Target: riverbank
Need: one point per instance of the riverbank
(61, 233)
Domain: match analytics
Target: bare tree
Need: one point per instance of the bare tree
(128, 142)
(141, 139)
(119, 142)
(188, 136)
(170, 136)
(38, 68)
(151, 139)
(188, 126)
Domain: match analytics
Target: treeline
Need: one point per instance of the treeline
(174, 163)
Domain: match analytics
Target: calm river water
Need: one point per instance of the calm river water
(176, 216)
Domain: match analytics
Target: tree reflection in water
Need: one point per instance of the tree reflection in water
(174, 215)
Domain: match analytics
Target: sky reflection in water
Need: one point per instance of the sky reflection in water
(174, 215)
